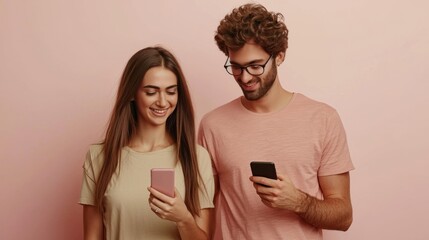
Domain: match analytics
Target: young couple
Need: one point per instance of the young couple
(152, 126)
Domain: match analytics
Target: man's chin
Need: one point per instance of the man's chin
(251, 96)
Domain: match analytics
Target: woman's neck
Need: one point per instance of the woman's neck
(150, 139)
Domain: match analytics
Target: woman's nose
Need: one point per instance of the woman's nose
(162, 101)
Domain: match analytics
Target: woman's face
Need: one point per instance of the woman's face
(156, 97)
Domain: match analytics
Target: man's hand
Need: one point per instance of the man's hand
(280, 193)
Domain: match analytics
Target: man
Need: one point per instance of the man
(304, 138)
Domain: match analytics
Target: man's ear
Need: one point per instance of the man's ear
(280, 58)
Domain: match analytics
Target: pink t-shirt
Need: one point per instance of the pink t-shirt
(305, 140)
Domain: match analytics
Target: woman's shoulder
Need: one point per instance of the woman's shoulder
(95, 150)
(94, 156)
(203, 155)
(201, 150)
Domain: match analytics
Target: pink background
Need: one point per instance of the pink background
(60, 62)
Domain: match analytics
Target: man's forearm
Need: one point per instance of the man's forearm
(330, 213)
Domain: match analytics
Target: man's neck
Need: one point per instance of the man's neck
(276, 99)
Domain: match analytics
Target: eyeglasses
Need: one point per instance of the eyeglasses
(252, 69)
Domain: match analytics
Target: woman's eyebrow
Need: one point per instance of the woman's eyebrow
(156, 87)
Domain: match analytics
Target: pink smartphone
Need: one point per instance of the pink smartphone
(162, 179)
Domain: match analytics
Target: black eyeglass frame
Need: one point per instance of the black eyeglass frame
(245, 67)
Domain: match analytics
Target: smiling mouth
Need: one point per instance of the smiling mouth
(249, 86)
(159, 112)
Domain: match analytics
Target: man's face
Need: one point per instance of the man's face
(254, 87)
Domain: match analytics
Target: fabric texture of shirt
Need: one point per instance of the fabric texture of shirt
(127, 213)
(305, 139)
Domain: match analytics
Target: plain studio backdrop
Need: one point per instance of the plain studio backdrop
(60, 64)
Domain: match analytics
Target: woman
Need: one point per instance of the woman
(151, 126)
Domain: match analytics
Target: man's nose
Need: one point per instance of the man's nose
(245, 77)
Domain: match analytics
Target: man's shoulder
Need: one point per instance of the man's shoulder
(307, 103)
(222, 112)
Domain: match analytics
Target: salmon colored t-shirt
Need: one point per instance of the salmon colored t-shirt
(306, 139)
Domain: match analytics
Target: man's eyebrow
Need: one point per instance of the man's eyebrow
(156, 87)
(256, 61)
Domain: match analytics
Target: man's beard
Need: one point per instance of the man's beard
(264, 86)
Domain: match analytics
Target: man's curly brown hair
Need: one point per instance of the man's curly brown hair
(252, 22)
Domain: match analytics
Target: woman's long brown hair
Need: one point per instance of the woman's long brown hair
(123, 124)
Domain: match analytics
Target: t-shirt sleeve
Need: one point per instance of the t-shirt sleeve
(335, 156)
(206, 140)
(87, 194)
(207, 189)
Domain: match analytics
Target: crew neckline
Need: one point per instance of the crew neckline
(294, 95)
(168, 148)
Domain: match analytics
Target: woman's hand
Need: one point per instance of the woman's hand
(169, 208)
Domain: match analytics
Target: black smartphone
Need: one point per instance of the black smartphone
(263, 169)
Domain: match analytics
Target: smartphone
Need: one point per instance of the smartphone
(263, 169)
(162, 179)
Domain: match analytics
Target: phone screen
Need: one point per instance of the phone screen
(162, 179)
(263, 169)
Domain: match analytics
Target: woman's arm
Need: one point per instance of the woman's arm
(92, 223)
(196, 228)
